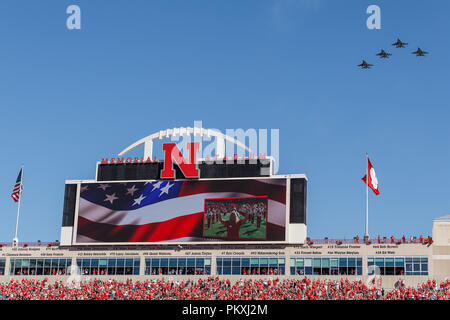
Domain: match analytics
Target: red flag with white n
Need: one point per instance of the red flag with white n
(372, 182)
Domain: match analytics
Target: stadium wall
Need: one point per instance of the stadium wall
(441, 246)
(290, 253)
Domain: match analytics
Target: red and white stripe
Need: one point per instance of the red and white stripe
(17, 190)
(177, 218)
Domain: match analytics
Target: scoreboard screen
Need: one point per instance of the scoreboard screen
(159, 211)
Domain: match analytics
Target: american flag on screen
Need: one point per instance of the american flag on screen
(17, 190)
(167, 210)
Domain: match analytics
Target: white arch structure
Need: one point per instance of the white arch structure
(148, 141)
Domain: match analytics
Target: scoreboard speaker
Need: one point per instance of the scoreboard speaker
(298, 201)
(70, 196)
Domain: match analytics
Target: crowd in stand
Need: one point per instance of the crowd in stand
(403, 240)
(220, 289)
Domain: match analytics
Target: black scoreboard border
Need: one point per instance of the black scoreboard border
(151, 171)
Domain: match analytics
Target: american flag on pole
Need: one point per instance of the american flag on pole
(17, 190)
(167, 210)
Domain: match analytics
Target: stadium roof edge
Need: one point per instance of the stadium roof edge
(443, 218)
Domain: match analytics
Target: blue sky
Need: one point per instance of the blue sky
(70, 97)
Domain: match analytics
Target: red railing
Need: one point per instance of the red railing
(384, 240)
(30, 244)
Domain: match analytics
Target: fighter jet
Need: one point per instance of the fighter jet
(384, 54)
(399, 44)
(365, 65)
(419, 52)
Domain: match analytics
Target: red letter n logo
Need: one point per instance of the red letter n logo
(171, 152)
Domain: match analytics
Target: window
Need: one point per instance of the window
(342, 266)
(326, 266)
(34, 266)
(398, 266)
(2, 267)
(173, 266)
(254, 266)
(120, 266)
(235, 266)
(111, 269)
(359, 266)
(177, 266)
(108, 266)
(250, 266)
(181, 266)
(334, 266)
(308, 266)
(263, 266)
(389, 266)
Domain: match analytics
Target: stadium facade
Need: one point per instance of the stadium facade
(231, 218)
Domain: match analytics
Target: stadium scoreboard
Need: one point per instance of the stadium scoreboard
(233, 201)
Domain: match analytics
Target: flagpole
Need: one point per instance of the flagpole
(16, 240)
(366, 234)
